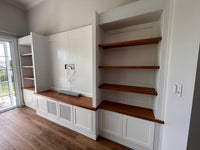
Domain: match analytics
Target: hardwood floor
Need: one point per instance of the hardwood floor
(22, 129)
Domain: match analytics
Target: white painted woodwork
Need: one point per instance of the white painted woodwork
(130, 131)
(30, 99)
(41, 62)
(26, 41)
(110, 122)
(83, 118)
(138, 12)
(72, 47)
(138, 131)
(78, 119)
(42, 104)
(65, 113)
(127, 56)
(52, 108)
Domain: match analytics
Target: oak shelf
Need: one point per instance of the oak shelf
(134, 111)
(27, 67)
(30, 88)
(132, 43)
(29, 78)
(28, 54)
(133, 89)
(129, 67)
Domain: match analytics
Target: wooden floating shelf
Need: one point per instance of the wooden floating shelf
(29, 78)
(129, 67)
(134, 111)
(30, 88)
(28, 54)
(27, 67)
(133, 89)
(132, 43)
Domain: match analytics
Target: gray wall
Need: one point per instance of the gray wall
(55, 16)
(12, 19)
(194, 132)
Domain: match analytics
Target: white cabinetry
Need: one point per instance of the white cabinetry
(79, 119)
(129, 131)
(83, 119)
(30, 99)
(110, 123)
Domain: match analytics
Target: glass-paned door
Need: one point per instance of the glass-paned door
(7, 88)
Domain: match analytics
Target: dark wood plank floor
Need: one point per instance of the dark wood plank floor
(22, 129)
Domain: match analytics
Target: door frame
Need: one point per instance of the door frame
(16, 69)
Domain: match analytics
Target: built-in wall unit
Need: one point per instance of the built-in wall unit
(130, 73)
(117, 64)
(60, 62)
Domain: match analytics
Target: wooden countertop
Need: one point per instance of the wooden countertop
(84, 102)
(134, 111)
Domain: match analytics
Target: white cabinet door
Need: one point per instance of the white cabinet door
(110, 123)
(52, 108)
(42, 104)
(65, 113)
(83, 118)
(138, 131)
(28, 98)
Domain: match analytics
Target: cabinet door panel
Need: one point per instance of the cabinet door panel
(52, 108)
(65, 112)
(110, 123)
(42, 104)
(138, 131)
(28, 98)
(83, 118)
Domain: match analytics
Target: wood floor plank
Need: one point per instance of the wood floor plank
(22, 129)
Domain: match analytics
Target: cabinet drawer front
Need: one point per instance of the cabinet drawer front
(138, 131)
(110, 123)
(83, 118)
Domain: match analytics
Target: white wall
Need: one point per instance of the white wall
(55, 16)
(13, 19)
(184, 48)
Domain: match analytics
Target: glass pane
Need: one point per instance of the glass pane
(3, 76)
(2, 50)
(8, 49)
(10, 63)
(5, 89)
(2, 63)
(13, 88)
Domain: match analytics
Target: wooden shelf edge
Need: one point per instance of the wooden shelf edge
(28, 54)
(30, 88)
(132, 43)
(129, 67)
(134, 111)
(29, 78)
(27, 67)
(132, 89)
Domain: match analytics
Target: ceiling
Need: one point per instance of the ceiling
(25, 4)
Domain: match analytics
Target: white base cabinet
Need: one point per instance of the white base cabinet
(130, 131)
(30, 99)
(78, 119)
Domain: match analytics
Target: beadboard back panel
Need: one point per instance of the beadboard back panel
(72, 47)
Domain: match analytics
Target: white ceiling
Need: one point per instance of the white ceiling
(25, 4)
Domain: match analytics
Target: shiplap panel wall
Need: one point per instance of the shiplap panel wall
(72, 47)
